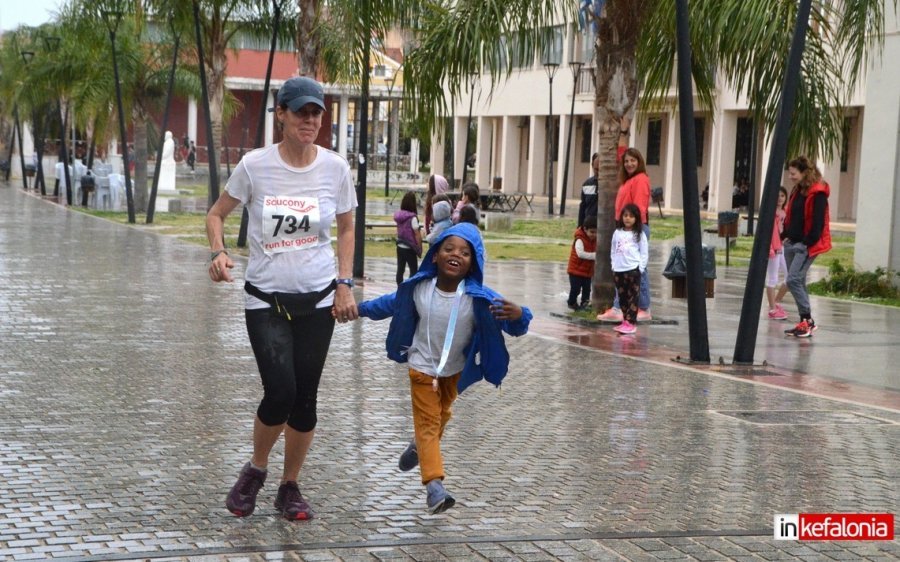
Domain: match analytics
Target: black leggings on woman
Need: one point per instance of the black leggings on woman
(406, 257)
(290, 355)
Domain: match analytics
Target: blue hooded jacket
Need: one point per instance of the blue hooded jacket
(486, 356)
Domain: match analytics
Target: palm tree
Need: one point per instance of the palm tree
(32, 85)
(220, 22)
(740, 44)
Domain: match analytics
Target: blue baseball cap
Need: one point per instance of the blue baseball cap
(299, 91)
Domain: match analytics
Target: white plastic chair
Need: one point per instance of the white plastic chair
(102, 193)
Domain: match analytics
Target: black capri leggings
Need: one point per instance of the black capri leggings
(290, 355)
(406, 257)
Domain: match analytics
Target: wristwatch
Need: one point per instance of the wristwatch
(348, 282)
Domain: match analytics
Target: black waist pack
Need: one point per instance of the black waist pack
(291, 304)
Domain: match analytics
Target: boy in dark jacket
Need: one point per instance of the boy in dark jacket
(443, 317)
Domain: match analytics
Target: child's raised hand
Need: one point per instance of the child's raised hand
(503, 309)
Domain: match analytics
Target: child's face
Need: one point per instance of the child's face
(591, 233)
(453, 258)
(628, 220)
(782, 199)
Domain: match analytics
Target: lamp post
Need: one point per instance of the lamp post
(575, 66)
(27, 56)
(113, 18)
(52, 45)
(551, 68)
(387, 163)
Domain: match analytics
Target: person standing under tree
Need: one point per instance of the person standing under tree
(629, 255)
(294, 191)
(581, 263)
(588, 205)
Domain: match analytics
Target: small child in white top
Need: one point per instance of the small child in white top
(629, 252)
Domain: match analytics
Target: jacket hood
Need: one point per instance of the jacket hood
(441, 211)
(469, 233)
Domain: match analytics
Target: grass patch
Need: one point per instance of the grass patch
(844, 282)
(842, 251)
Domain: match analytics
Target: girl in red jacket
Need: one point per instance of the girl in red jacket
(806, 235)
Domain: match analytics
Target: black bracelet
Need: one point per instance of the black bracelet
(625, 132)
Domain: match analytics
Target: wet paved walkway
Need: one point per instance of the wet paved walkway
(127, 388)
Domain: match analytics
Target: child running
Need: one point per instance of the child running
(581, 263)
(629, 254)
(777, 265)
(442, 318)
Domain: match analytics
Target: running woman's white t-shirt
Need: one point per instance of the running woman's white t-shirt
(291, 212)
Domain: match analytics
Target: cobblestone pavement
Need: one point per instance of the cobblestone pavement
(127, 389)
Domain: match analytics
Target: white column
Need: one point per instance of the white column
(414, 148)
(537, 155)
(716, 160)
(192, 119)
(831, 172)
(459, 148)
(564, 124)
(878, 200)
(509, 153)
(672, 165)
(483, 153)
(437, 155)
(343, 111)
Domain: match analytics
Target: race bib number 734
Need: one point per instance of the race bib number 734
(289, 223)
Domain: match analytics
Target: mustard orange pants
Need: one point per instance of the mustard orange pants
(431, 412)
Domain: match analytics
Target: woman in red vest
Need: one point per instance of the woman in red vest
(806, 234)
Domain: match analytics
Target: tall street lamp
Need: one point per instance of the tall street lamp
(575, 66)
(27, 56)
(387, 163)
(551, 67)
(52, 45)
(113, 18)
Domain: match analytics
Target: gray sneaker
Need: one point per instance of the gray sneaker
(439, 500)
(409, 459)
(241, 500)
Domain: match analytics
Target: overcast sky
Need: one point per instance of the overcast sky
(14, 13)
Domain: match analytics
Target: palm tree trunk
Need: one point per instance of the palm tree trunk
(616, 95)
(308, 52)
(140, 162)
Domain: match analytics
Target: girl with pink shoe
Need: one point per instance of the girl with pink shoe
(629, 252)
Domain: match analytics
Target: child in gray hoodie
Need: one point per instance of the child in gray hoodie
(441, 212)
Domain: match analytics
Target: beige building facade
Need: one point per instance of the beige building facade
(509, 126)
